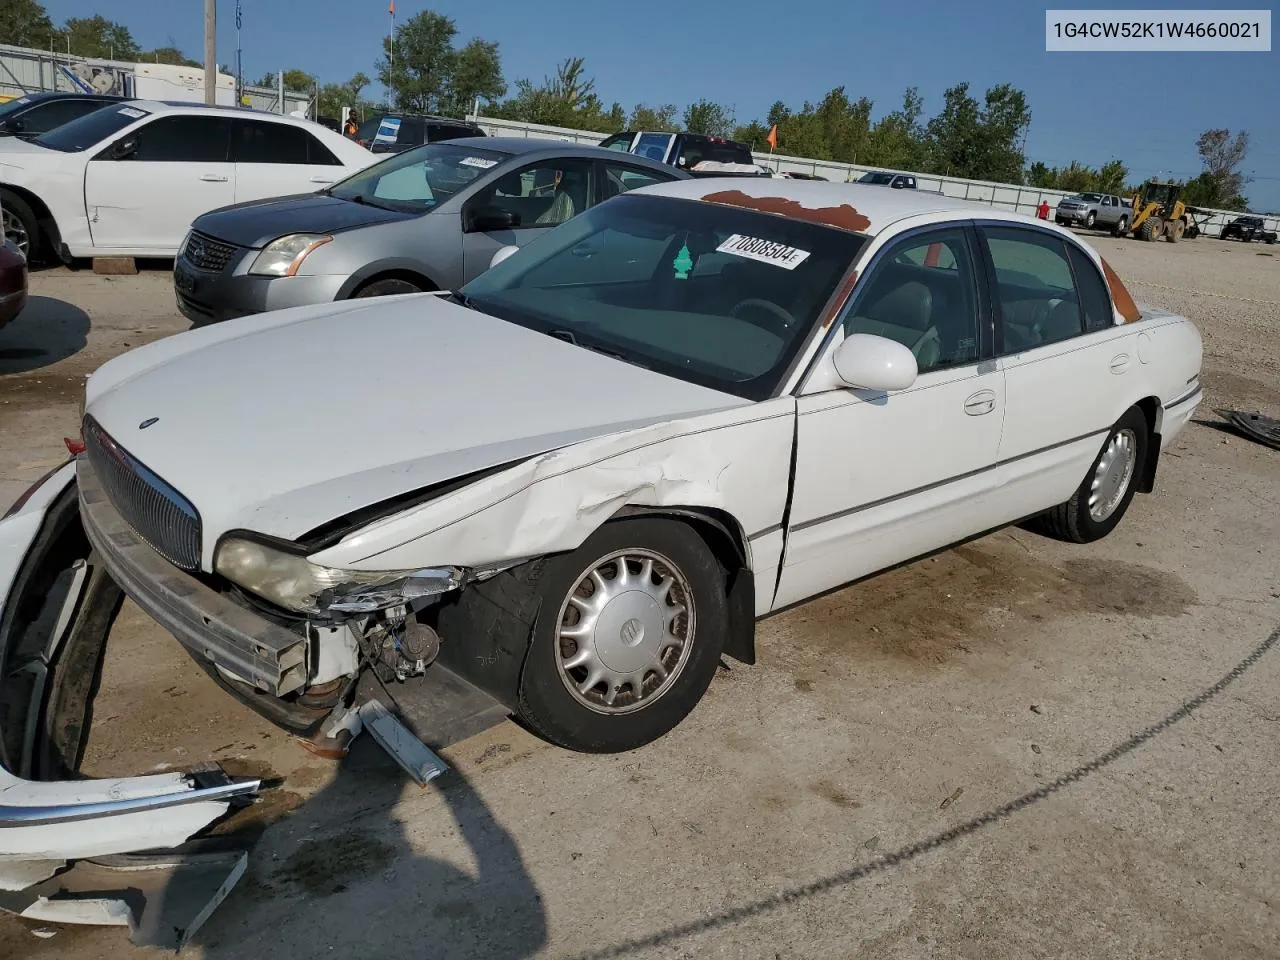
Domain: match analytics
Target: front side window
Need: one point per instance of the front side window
(420, 179)
(91, 130)
(1038, 301)
(922, 294)
(543, 194)
(182, 139)
(715, 295)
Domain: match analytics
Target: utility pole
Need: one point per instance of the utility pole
(210, 52)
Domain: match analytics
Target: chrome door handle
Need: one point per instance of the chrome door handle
(322, 179)
(1120, 363)
(212, 178)
(984, 401)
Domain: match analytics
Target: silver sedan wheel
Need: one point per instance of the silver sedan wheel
(15, 230)
(1113, 475)
(625, 631)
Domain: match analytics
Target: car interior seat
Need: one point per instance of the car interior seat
(905, 314)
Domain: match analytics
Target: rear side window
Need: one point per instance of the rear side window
(183, 139)
(1039, 304)
(412, 132)
(260, 141)
(451, 131)
(1094, 298)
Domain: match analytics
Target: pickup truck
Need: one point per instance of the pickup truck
(1248, 228)
(697, 153)
(1095, 209)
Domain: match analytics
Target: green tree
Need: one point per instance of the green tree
(98, 37)
(1042, 175)
(420, 72)
(660, 118)
(298, 81)
(708, 118)
(25, 23)
(334, 96)
(1222, 156)
(896, 140)
(477, 74)
(1111, 177)
(170, 55)
(981, 143)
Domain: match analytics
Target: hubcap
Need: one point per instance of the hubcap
(15, 231)
(1112, 477)
(625, 632)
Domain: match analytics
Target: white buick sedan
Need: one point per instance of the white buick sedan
(128, 179)
(565, 490)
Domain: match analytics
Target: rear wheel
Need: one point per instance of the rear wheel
(631, 628)
(1104, 495)
(387, 288)
(20, 225)
(1174, 231)
(1151, 228)
(1122, 227)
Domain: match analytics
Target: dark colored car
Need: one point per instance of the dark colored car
(13, 281)
(394, 132)
(37, 113)
(685, 150)
(1248, 228)
(884, 178)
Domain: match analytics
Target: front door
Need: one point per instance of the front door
(881, 478)
(535, 197)
(142, 192)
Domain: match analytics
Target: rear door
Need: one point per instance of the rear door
(277, 159)
(145, 198)
(1068, 366)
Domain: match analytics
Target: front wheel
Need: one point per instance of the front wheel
(629, 633)
(19, 224)
(387, 288)
(1091, 219)
(1104, 495)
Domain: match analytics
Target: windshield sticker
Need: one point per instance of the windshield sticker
(480, 162)
(132, 112)
(683, 263)
(764, 251)
(23, 100)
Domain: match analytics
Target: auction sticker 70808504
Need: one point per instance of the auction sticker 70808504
(765, 251)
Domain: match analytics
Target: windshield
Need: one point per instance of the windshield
(419, 179)
(91, 129)
(1089, 197)
(712, 294)
(878, 178)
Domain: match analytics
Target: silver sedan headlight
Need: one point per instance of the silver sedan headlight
(283, 257)
(292, 581)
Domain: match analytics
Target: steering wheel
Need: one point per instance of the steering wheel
(780, 323)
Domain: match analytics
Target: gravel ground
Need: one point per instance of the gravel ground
(1014, 749)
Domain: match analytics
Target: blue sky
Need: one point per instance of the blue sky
(1146, 109)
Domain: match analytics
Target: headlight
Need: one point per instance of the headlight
(295, 583)
(283, 257)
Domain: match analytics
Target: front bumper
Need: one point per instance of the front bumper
(1070, 216)
(213, 628)
(207, 297)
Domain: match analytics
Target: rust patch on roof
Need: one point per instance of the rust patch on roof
(1120, 294)
(844, 216)
(843, 292)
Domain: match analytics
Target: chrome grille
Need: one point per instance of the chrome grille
(205, 253)
(162, 516)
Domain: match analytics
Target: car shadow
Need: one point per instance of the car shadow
(46, 331)
(341, 870)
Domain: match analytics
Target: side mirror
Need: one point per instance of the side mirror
(124, 149)
(502, 254)
(875, 363)
(494, 218)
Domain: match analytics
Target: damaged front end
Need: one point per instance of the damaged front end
(76, 850)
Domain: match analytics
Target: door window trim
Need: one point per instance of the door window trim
(134, 131)
(987, 326)
(472, 202)
(600, 173)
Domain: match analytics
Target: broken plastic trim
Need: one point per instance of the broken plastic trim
(13, 815)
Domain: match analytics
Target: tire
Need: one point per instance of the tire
(1151, 229)
(1122, 227)
(585, 722)
(387, 288)
(1074, 521)
(1090, 220)
(1174, 230)
(20, 221)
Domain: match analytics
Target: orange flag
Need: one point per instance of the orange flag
(391, 9)
(772, 138)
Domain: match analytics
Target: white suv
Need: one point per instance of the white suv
(129, 178)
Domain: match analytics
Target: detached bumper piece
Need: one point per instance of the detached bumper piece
(1255, 426)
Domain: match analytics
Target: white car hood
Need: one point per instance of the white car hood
(282, 422)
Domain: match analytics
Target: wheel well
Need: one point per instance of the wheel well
(48, 224)
(724, 535)
(1153, 411)
(409, 276)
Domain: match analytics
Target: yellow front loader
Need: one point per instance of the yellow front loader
(1158, 212)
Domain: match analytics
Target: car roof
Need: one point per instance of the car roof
(531, 145)
(159, 107)
(859, 207)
